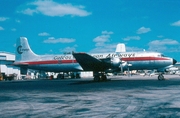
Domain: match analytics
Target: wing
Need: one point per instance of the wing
(90, 63)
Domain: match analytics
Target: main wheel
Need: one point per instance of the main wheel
(160, 77)
(96, 78)
(103, 77)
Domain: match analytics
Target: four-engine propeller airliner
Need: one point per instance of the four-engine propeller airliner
(98, 63)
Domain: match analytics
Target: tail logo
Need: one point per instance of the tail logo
(20, 50)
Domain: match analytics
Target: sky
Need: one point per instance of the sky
(92, 26)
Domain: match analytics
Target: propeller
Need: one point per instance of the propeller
(122, 65)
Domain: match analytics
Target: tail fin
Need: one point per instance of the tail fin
(120, 48)
(23, 50)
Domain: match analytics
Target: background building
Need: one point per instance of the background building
(6, 67)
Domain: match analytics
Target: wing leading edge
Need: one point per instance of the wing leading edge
(90, 63)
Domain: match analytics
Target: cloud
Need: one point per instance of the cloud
(3, 18)
(177, 23)
(131, 49)
(160, 36)
(164, 42)
(68, 49)
(18, 21)
(103, 38)
(168, 45)
(59, 40)
(107, 33)
(29, 11)
(1, 28)
(143, 30)
(131, 38)
(104, 49)
(51, 8)
(13, 29)
(101, 43)
(43, 34)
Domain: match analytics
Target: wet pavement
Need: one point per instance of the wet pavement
(120, 97)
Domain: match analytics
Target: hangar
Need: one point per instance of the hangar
(7, 70)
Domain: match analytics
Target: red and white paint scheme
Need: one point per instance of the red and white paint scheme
(27, 59)
(100, 62)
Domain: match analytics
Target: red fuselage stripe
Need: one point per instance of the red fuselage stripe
(50, 62)
(144, 59)
(74, 61)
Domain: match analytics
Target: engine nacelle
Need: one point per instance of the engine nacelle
(167, 69)
(162, 70)
(115, 62)
(172, 69)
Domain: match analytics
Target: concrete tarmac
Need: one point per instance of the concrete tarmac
(119, 97)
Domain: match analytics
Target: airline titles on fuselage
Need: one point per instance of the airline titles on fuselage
(64, 57)
(122, 55)
(98, 56)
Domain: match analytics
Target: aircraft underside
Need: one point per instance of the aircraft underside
(57, 68)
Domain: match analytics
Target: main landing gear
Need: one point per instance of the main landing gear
(99, 76)
(161, 77)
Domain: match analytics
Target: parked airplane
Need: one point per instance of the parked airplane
(124, 61)
(27, 59)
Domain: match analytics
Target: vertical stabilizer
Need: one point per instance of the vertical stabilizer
(120, 48)
(23, 50)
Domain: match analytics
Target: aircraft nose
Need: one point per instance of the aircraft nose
(174, 61)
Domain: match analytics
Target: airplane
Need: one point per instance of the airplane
(100, 62)
(124, 61)
(26, 59)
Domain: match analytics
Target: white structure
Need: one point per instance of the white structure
(86, 74)
(6, 67)
(120, 48)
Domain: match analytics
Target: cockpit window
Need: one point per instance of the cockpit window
(161, 55)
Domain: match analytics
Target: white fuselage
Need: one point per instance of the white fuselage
(130, 60)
